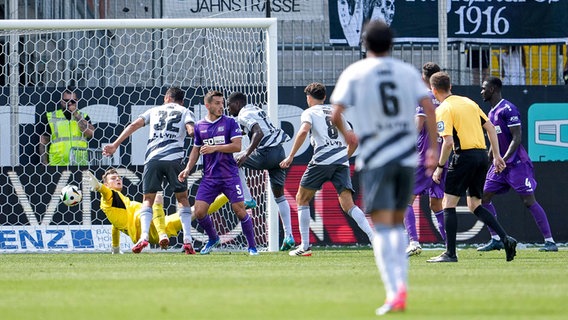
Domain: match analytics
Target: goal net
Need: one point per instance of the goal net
(119, 69)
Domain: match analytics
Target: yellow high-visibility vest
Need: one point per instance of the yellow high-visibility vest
(65, 134)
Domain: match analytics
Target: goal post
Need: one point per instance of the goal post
(119, 69)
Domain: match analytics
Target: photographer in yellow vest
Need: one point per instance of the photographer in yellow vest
(64, 129)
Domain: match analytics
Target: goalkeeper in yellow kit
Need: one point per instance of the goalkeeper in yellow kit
(124, 214)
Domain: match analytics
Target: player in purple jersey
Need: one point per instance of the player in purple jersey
(217, 137)
(423, 184)
(519, 173)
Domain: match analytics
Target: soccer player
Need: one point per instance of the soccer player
(383, 92)
(330, 162)
(169, 125)
(461, 124)
(423, 183)
(217, 137)
(519, 173)
(265, 152)
(124, 213)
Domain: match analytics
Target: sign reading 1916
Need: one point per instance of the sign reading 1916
(489, 21)
(508, 19)
(500, 21)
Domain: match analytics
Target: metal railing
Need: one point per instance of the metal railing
(304, 51)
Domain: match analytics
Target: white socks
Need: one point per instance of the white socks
(400, 241)
(304, 221)
(145, 221)
(284, 209)
(389, 247)
(185, 217)
(357, 214)
(385, 259)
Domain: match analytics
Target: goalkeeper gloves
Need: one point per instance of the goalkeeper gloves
(116, 250)
(93, 182)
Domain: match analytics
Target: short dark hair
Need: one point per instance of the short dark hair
(316, 90)
(213, 93)
(238, 97)
(176, 94)
(377, 36)
(494, 82)
(108, 172)
(428, 69)
(441, 81)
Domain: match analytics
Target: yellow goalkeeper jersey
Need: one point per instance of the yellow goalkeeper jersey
(121, 212)
(124, 215)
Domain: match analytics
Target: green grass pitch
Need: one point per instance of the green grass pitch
(332, 284)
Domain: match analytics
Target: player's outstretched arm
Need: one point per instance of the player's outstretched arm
(93, 181)
(109, 149)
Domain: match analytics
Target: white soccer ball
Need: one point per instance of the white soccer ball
(71, 195)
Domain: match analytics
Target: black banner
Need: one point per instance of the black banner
(507, 21)
(29, 191)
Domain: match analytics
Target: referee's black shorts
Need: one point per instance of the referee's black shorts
(467, 172)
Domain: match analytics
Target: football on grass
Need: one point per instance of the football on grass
(71, 195)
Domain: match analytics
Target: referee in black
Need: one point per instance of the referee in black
(460, 124)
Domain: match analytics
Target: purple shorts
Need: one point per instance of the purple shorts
(209, 189)
(424, 185)
(518, 176)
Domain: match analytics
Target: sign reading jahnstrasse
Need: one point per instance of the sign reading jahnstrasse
(281, 9)
(500, 21)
